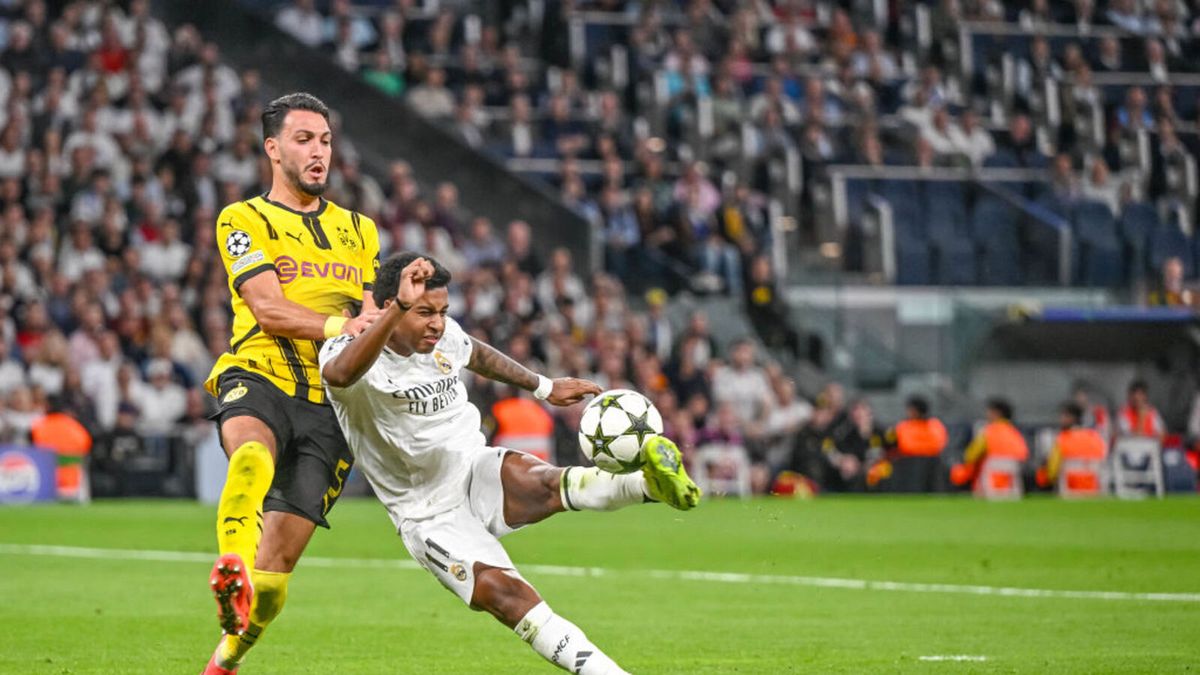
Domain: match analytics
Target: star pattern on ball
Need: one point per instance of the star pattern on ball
(609, 401)
(601, 442)
(639, 425)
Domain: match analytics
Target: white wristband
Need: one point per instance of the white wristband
(545, 386)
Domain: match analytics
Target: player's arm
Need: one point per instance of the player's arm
(976, 451)
(494, 364)
(277, 315)
(357, 357)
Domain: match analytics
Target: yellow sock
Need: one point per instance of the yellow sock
(270, 592)
(239, 513)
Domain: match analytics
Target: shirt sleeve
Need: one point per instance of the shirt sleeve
(244, 241)
(329, 352)
(370, 263)
(460, 341)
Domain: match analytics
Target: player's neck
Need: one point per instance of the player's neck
(400, 347)
(292, 197)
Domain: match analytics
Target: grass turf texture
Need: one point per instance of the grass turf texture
(70, 615)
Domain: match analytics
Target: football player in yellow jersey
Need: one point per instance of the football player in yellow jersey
(298, 266)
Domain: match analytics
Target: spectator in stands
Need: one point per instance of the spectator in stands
(940, 137)
(1100, 187)
(1093, 415)
(560, 280)
(431, 98)
(1138, 417)
(12, 371)
(621, 234)
(302, 21)
(1171, 291)
(384, 74)
(847, 455)
(744, 386)
(1135, 114)
(1021, 150)
(998, 439)
(1126, 15)
(918, 441)
(970, 139)
(161, 401)
(520, 249)
(1073, 442)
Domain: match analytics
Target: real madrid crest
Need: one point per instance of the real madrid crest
(442, 362)
(458, 571)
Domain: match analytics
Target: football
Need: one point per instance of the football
(614, 426)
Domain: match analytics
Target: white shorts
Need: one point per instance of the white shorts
(449, 544)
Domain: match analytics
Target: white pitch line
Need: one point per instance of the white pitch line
(670, 575)
(952, 657)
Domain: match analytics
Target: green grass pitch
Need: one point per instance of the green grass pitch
(128, 614)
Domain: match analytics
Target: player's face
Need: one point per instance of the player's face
(423, 325)
(302, 150)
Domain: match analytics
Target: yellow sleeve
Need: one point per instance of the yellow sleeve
(370, 263)
(976, 450)
(1053, 462)
(246, 244)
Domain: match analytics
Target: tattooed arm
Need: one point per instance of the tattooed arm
(496, 365)
(493, 364)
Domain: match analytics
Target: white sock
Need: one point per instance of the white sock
(562, 643)
(591, 489)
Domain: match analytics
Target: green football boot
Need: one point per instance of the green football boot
(667, 479)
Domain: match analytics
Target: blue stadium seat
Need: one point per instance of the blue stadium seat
(1095, 224)
(1138, 221)
(994, 224)
(856, 199)
(1101, 265)
(904, 197)
(1169, 241)
(994, 230)
(945, 210)
(913, 262)
(956, 264)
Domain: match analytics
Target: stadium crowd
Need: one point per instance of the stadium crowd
(121, 140)
(666, 123)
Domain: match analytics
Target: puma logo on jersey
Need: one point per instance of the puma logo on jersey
(240, 521)
(297, 237)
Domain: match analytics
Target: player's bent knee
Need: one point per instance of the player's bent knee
(239, 430)
(502, 594)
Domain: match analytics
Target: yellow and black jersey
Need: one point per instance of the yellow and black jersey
(324, 259)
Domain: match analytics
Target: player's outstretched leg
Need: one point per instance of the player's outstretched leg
(666, 478)
(662, 479)
(509, 598)
(270, 594)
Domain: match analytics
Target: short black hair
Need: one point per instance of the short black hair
(387, 279)
(1072, 410)
(277, 110)
(1138, 385)
(919, 404)
(1001, 406)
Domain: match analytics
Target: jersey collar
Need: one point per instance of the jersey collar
(322, 203)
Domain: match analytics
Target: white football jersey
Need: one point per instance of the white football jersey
(410, 426)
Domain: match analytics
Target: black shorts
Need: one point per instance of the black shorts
(312, 457)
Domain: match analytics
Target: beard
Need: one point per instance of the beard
(311, 189)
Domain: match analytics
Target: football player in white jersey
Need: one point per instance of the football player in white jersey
(404, 411)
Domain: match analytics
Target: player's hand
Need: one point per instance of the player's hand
(359, 323)
(412, 282)
(571, 390)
